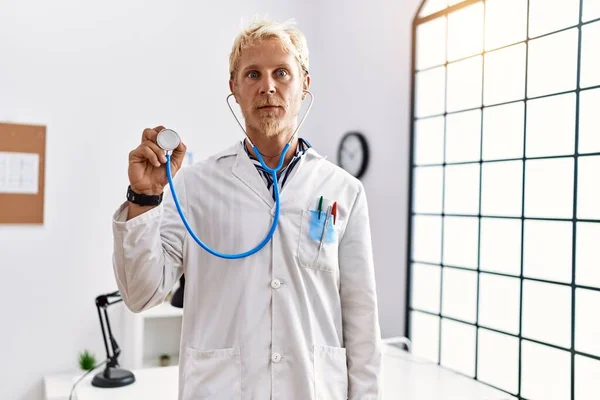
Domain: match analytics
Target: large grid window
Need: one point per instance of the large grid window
(504, 252)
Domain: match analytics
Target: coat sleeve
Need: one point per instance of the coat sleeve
(148, 251)
(361, 330)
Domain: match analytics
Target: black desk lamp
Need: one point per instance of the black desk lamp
(112, 376)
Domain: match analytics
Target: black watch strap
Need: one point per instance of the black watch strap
(143, 199)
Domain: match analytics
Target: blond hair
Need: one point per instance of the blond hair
(292, 41)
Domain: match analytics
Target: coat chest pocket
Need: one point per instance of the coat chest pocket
(318, 241)
(213, 374)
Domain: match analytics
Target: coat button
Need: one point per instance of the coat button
(275, 283)
(276, 357)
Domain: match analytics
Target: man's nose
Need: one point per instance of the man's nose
(267, 86)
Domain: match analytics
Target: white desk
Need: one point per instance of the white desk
(150, 383)
(408, 378)
(404, 377)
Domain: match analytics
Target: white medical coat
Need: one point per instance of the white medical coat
(277, 324)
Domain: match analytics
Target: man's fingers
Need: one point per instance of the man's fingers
(178, 154)
(149, 142)
(181, 149)
(150, 155)
(151, 133)
(160, 153)
(149, 151)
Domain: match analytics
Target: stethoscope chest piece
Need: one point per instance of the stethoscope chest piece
(168, 139)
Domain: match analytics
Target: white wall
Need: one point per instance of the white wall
(96, 74)
(361, 81)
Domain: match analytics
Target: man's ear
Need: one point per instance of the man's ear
(232, 89)
(305, 84)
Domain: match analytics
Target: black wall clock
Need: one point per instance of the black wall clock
(353, 153)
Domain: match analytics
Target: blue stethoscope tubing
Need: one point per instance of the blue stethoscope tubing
(272, 171)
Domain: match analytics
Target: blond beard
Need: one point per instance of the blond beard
(271, 126)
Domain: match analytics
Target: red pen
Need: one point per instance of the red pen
(334, 211)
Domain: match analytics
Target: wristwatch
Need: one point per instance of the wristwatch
(143, 199)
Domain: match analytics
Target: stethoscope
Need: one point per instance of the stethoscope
(168, 140)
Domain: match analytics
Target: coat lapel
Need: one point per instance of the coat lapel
(245, 171)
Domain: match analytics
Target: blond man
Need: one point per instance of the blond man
(297, 319)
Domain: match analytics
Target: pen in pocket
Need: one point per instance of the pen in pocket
(320, 206)
(327, 216)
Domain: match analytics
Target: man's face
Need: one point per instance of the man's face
(268, 86)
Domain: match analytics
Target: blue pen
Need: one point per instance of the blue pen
(327, 217)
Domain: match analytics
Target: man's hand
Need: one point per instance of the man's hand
(147, 172)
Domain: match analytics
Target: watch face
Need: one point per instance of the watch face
(353, 154)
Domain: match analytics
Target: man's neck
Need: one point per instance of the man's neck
(271, 147)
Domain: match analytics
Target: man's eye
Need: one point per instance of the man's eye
(282, 73)
(252, 75)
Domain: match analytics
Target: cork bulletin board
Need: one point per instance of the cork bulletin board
(22, 160)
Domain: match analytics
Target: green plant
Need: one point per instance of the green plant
(164, 360)
(87, 360)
